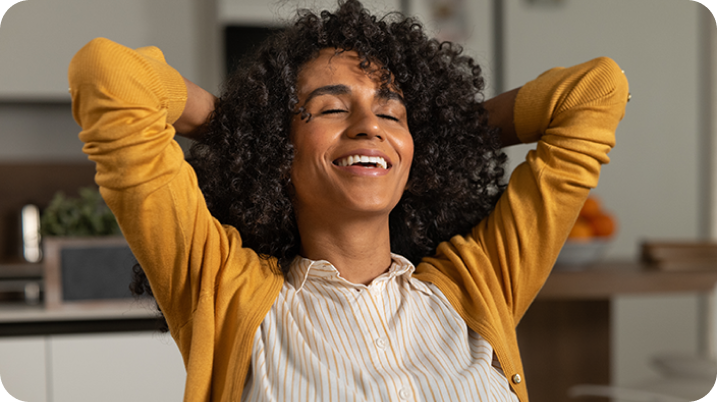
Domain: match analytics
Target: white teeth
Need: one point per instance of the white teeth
(353, 159)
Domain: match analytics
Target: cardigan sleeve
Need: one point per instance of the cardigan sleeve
(126, 100)
(572, 113)
(492, 274)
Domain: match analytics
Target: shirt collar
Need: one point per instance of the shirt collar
(303, 270)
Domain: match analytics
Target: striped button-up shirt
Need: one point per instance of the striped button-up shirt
(396, 339)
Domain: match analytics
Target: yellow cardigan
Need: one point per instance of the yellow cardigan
(215, 293)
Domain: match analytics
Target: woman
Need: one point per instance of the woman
(342, 156)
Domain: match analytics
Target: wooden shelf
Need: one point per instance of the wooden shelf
(611, 278)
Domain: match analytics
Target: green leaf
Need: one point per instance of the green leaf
(86, 215)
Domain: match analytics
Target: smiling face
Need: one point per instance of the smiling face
(353, 155)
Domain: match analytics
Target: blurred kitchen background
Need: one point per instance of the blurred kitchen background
(661, 183)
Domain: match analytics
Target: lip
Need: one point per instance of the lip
(365, 152)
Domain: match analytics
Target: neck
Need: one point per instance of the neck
(359, 248)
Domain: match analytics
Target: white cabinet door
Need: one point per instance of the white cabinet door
(115, 367)
(22, 368)
(39, 37)
(272, 13)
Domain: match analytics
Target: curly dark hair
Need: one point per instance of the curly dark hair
(244, 160)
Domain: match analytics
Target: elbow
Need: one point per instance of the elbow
(615, 80)
(91, 62)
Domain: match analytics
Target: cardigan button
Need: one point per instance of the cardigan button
(517, 379)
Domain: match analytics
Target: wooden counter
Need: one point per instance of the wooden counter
(607, 279)
(565, 335)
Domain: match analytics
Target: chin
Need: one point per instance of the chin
(372, 207)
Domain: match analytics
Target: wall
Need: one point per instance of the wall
(39, 132)
(652, 180)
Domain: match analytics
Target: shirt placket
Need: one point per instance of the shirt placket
(370, 309)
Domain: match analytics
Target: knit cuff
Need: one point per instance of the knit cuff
(533, 109)
(170, 83)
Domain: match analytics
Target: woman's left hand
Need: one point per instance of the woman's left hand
(500, 114)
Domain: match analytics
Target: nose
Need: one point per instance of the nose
(365, 124)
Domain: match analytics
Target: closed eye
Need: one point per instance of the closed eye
(388, 117)
(333, 111)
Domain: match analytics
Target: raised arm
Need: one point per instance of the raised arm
(572, 113)
(127, 103)
(492, 275)
(206, 283)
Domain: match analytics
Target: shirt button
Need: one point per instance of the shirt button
(517, 379)
(381, 343)
(404, 394)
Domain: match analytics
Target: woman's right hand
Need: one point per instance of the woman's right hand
(199, 106)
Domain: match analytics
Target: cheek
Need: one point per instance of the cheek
(407, 155)
(306, 154)
(300, 136)
(301, 184)
(407, 149)
(308, 159)
(312, 143)
(300, 171)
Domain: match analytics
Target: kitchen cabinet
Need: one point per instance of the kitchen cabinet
(115, 368)
(270, 13)
(22, 367)
(140, 366)
(38, 39)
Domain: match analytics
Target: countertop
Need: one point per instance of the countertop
(607, 279)
(600, 281)
(104, 317)
(91, 311)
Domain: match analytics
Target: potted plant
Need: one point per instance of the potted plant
(86, 259)
(83, 216)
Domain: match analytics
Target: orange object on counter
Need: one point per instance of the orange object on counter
(593, 222)
(591, 208)
(581, 230)
(603, 225)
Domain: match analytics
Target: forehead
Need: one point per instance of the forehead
(333, 67)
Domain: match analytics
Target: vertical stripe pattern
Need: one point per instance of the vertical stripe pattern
(397, 339)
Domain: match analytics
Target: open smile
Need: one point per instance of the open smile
(375, 162)
(364, 158)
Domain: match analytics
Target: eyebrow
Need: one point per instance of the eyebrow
(340, 89)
